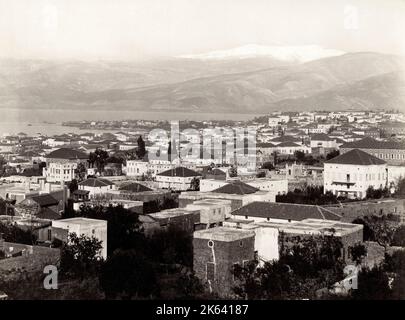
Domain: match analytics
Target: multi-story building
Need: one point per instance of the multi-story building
(62, 163)
(392, 152)
(352, 173)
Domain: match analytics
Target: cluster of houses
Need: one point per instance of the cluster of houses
(230, 209)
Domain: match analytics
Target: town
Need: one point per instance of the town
(289, 205)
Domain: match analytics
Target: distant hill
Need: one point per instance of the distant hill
(255, 84)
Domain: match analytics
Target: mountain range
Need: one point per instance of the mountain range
(251, 79)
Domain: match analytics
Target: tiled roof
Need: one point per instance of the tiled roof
(285, 139)
(179, 172)
(67, 153)
(288, 144)
(356, 157)
(45, 200)
(321, 137)
(265, 145)
(236, 187)
(285, 211)
(46, 213)
(94, 182)
(370, 143)
(135, 187)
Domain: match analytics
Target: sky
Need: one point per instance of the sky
(143, 29)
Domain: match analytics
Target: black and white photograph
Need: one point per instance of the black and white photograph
(202, 155)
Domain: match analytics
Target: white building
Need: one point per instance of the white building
(352, 173)
(62, 163)
(177, 179)
(83, 226)
(96, 186)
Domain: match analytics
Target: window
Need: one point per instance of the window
(49, 234)
(210, 271)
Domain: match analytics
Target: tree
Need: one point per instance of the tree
(127, 274)
(124, 230)
(98, 158)
(358, 252)
(299, 155)
(268, 165)
(195, 184)
(399, 237)
(373, 284)
(73, 186)
(171, 246)
(400, 190)
(304, 266)
(81, 255)
(189, 286)
(233, 172)
(80, 171)
(382, 228)
(141, 150)
(13, 233)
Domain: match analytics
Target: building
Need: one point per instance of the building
(282, 212)
(62, 163)
(392, 152)
(179, 179)
(96, 186)
(352, 173)
(216, 251)
(81, 226)
(350, 234)
(322, 140)
(211, 212)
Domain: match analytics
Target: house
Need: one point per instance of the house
(260, 211)
(216, 251)
(352, 173)
(62, 163)
(179, 178)
(290, 148)
(43, 206)
(322, 140)
(392, 152)
(81, 226)
(96, 186)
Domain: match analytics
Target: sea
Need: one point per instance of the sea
(49, 122)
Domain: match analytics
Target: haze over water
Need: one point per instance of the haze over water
(48, 122)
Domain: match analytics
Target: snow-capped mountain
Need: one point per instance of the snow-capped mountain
(283, 53)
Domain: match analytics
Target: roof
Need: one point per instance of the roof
(135, 187)
(45, 200)
(81, 192)
(79, 221)
(46, 213)
(223, 234)
(370, 143)
(265, 145)
(236, 187)
(288, 144)
(94, 182)
(357, 157)
(179, 172)
(285, 139)
(67, 153)
(321, 137)
(285, 211)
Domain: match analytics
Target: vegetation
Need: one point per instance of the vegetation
(13, 233)
(305, 266)
(310, 195)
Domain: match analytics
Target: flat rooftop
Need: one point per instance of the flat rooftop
(170, 213)
(79, 221)
(314, 227)
(223, 234)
